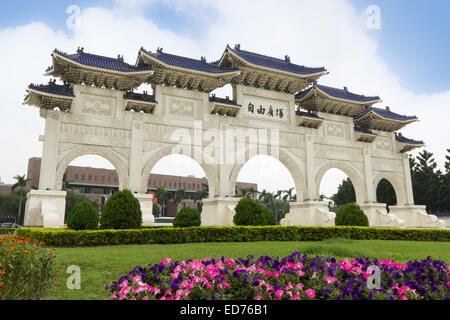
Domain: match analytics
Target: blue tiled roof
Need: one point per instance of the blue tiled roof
(386, 113)
(130, 95)
(363, 130)
(188, 63)
(274, 63)
(116, 64)
(226, 100)
(400, 138)
(307, 114)
(53, 88)
(338, 93)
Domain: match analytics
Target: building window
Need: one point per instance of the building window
(76, 177)
(96, 178)
(184, 185)
(115, 179)
(198, 186)
(103, 178)
(82, 177)
(170, 184)
(90, 178)
(109, 178)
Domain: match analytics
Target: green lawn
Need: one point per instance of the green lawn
(102, 265)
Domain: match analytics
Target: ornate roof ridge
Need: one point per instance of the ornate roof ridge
(59, 89)
(338, 93)
(80, 53)
(159, 52)
(400, 138)
(287, 60)
(386, 113)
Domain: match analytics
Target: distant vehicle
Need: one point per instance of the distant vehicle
(10, 225)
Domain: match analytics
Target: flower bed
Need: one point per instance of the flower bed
(26, 268)
(295, 277)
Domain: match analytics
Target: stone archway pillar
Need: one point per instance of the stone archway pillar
(146, 202)
(309, 213)
(218, 211)
(379, 217)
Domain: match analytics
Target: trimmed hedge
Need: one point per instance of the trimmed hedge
(122, 211)
(167, 235)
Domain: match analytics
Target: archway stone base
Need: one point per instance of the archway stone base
(416, 216)
(379, 217)
(309, 213)
(146, 202)
(45, 208)
(218, 211)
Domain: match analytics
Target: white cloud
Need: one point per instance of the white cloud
(326, 33)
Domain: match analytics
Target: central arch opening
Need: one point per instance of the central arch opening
(385, 193)
(89, 178)
(177, 181)
(273, 185)
(336, 188)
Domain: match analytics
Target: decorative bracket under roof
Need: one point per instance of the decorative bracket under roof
(267, 72)
(407, 144)
(333, 100)
(140, 102)
(95, 70)
(382, 119)
(364, 135)
(50, 96)
(308, 119)
(223, 107)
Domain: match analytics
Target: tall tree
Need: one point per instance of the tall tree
(426, 182)
(161, 194)
(386, 193)
(200, 195)
(345, 193)
(180, 196)
(21, 183)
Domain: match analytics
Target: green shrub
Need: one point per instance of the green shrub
(269, 216)
(350, 214)
(26, 268)
(166, 235)
(187, 217)
(84, 216)
(121, 211)
(248, 213)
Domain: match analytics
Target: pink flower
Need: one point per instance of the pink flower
(230, 262)
(330, 280)
(296, 296)
(288, 286)
(299, 286)
(276, 274)
(166, 261)
(124, 284)
(137, 278)
(314, 275)
(448, 284)
(279, 293)
(257, 298)
(268, 273)
(311, 293)
(123, 292)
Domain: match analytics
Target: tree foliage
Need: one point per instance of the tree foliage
(121, 211)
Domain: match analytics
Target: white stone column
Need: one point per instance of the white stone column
(146, 202)
(407, 181)
(370, 189)
(311, 192)
(47, 177)
(137, 144)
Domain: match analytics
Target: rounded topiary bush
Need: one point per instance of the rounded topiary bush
(187, 217)
(269, 216)
(121, 211)
(83, 216)
(350, 214)
(248, 213)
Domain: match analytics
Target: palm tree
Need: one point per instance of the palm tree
(288, 195)
(21, 183)
(180, 195)
(201, 194)
(161, 194)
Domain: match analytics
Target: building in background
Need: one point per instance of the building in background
(99, 184)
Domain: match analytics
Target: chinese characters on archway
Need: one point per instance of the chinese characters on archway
(269, 111)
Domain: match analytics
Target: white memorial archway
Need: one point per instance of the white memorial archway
(277, 109)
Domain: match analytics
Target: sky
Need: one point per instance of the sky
(402, 57)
